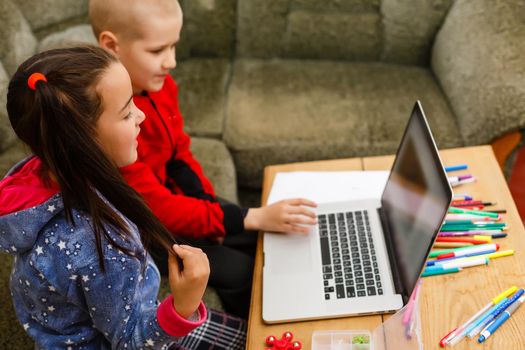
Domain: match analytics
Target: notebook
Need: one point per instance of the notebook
(364, 256)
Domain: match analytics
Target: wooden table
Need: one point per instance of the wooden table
(446, 301)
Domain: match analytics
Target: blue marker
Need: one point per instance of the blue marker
(456, 167)
(500, 320)
(476, 323)
(495, 313)
(439, 261)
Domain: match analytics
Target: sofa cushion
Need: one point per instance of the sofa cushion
(12, 155)
(7, 135)
(81, 34)
(347, 29)
(478, 57)
(283, 111)
(209, 27)
(17, 41)
(43, 13)
(409, 28)
(217, 164)
(202, 94)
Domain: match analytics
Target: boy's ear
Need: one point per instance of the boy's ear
(108, 41)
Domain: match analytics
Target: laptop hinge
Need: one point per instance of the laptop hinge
(398, 285)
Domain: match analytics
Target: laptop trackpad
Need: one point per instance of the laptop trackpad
(290, 253)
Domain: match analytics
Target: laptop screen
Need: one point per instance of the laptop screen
(415, 200)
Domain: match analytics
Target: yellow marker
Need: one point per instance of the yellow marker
(505, 294)
(451, 244)
(490, 256)
(493, 255)
(487, 239)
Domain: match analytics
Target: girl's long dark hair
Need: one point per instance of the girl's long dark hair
(57, 121)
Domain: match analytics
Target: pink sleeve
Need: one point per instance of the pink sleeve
(174, 324)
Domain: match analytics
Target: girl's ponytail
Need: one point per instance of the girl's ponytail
(57, 120)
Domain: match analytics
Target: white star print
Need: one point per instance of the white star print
(127, 307)
(73, 277)
(61, 245)
(39, 250)
(51, 208)
(150, 342)
(77, 246)
(26, 326)
(13, 248)
(51, 308)
(69, 267)
(51, 288)
(69, 342)
(85, 278)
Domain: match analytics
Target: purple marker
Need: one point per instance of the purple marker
(464, 177)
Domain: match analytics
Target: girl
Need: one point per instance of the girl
(81, 276)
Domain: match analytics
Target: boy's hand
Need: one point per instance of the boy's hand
(188, 284)
(288, 215)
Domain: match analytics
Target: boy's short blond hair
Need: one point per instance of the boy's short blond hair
(122, 17)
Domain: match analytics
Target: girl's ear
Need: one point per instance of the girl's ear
(108, 41)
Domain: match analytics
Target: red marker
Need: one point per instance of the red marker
(460, 240)
(443, 341)
(471, 251)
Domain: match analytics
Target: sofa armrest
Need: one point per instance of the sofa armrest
(478, 58)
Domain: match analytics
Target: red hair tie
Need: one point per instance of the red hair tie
(33, 78)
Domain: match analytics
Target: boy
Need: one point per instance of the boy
(143, 34)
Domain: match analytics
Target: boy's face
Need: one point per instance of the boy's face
(149, 57)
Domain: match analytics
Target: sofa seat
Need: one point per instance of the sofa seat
(281, 111)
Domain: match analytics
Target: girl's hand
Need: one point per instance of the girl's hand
(188, 284)
(288, 215)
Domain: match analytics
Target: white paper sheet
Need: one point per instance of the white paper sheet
(328, 186)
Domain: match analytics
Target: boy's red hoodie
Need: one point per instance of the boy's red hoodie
(169, 178)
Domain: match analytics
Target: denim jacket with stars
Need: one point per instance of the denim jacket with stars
(61, 296)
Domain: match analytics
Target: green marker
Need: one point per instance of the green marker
(434, 272)
(455, 210)
(435, 253)
(449, 228)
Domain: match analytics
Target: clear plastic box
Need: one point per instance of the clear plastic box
(342, 340)
(401, 331)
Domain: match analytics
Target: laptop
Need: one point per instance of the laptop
(363, 256)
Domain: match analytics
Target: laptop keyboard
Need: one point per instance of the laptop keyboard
(348, 256)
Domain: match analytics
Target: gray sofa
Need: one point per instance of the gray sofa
(274, 81)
